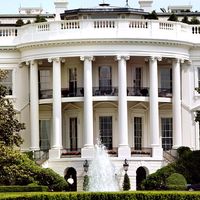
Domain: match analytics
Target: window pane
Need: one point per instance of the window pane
(105, 78)
(166, 78)
(7, 82)
(105, 126)
(73, 134)
(44, 134)
(167, 133)
(138, 133)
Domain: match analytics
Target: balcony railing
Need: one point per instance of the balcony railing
(105, 91)
(165, 92)
(137, 91)
(93, 28)
(77, 92)
(142, 152)
(70, 152)
(45, 94)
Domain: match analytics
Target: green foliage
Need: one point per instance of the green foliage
(183, 151)
(51, 179)
(103, 196)
(18, 169)
(152, 15)
(157, 180)
(9, 124)
(40, 19)
(19, 22)
(86, 183)
(176, 181)
(173, 17)
(18, 188)
(126, 183)
(194, 20)
(185, 19)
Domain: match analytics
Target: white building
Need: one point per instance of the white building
(104, 72)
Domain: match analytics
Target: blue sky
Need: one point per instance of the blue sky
(11, 6)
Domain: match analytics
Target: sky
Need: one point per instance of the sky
(11, 6)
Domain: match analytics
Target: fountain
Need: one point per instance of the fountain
(101, 172)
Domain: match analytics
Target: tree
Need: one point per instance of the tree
(19, 22)
(126, 183)
(86, 183)
(194, 20)
(9, 124)
(185, 19)
(39, 19)
(152, 15)
(173, 17)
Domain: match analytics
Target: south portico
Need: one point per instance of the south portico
(124, 150)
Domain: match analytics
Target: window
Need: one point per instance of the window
(199, 77)
(45, 83)
(138, 133)
(167, 133)
(72, 82)
(7, 82)
(105, 79)
(73, 133)
(138, 77)
(105, 127)
(166, 78)
(45, 130)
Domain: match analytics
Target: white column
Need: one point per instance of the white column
(34, 106)
(177, 132)
(57, 110)
(124, 149)
(87, 151)
(154, 111)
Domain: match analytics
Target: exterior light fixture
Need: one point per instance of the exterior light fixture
(125, 165)
(86, 166)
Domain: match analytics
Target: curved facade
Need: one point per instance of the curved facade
(125, 79)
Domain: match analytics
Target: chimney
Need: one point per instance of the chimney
(146, 5)
(60, 7)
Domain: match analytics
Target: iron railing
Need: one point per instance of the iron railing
(105, 91)
(137, 91)
(141, 152)
(165, 92)
(70, 152)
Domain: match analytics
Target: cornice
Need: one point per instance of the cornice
(134, 41)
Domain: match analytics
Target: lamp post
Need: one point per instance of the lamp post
(125, 165)
(85, 166)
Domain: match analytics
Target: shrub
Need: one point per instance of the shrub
(157, 180)
(51, 179)
(86, 183)
(18, 169)
(173, 17)
(152, 15)
(183, 151)
(18, 188)
(176, 181)
(126, 182)
(19, 22)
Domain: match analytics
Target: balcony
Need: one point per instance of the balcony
(88, 29)
(105, 91)
(142, 152)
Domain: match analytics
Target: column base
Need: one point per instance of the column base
(157, 152)
(54, 153)
(124, 151)
(87, 152)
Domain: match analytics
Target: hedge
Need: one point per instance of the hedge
(19, 188)
(102, 196)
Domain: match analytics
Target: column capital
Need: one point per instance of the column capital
(55, 59)
(90, 58)
(153, 58)
(178, 60)
(124, 57)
